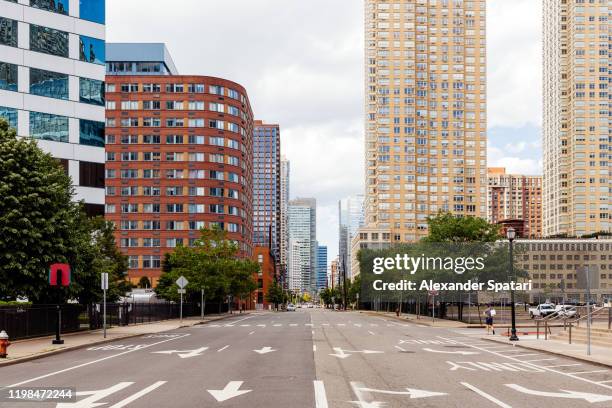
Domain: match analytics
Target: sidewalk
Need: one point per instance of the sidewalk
(31, 349)
(599, 355)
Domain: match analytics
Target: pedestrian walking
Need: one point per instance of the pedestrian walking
(489, 315)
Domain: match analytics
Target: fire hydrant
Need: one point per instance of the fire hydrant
(4, 343)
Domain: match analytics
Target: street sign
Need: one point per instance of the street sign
(59, 274)
(182, 282)
(182, 291)
(104, 283)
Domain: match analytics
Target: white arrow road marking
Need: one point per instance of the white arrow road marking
(400, 348)
(264, 350)
(565, 394)
(487, 396)
(320, 395)
(89, 363)
(231, 390)
(184, 353)
(362, 394)
(341, 353)
(463, 353)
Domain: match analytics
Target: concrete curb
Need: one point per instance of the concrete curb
(554, 353)
(9, 362)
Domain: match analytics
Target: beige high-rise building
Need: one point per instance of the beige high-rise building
(576, 117)
(515, 197)
(425, 107)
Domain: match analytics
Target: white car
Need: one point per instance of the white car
(291, 307)
(567, 311)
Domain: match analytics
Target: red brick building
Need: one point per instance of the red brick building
(264, 278)
(179, 157)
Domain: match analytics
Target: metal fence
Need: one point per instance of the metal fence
(21, 322)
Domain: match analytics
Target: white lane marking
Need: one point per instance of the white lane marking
(261, 325)
(251, 333)
(231, 390)
(461, 352)
(277, 325)
(485, 395)
(541, 359)
(320, 395)
(292, 324)
(540, 367)
(240, 320)
(526, 355)
(607, 381)
(308, 324)
(40, 377)
(223, 348)
(314, 347)
(564, 365)
(265, 350)
(371, 333)
(589, 372)
(245, 325)
(139, 394)
(565, 394)
(312, 332)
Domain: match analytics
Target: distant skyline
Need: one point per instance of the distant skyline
(309, 79)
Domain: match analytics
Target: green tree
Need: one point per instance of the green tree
(276, 295)
(40, 224)
(445, 227)
(211, 264)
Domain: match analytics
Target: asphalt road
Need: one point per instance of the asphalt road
(312, 358)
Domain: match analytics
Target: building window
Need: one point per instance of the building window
(49, 84)
(91, 174)
(10, 115)
(92, 10)
(8, 76)
(91, 91)
(48, 41)
(91, 50)
(8, 32)
(57, 6)
(91, 133)
(48, 127)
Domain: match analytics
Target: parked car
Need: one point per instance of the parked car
(291, 307)
(568, 311)
(542, 310)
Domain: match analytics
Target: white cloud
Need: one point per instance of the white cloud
(513, 164)
(514, 32)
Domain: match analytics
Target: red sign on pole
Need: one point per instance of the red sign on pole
(59, 275)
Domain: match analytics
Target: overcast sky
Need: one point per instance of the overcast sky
(302, 65)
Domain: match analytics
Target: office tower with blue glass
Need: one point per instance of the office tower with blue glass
(321, 267)
(52, 84)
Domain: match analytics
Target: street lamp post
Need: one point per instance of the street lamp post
(511, 234)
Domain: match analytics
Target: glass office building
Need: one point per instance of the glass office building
(52, 57)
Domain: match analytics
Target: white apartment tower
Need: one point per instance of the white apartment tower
(576, 128)
(425, 88)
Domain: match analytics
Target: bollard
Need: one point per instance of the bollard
(4, 343)
(546, 330)
(538, 329)
(609, 317)
(570, 334)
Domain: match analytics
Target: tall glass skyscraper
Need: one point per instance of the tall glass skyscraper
(267, 187)
(302, 251)
(351, 217)
(321, 267)
(52, 56)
